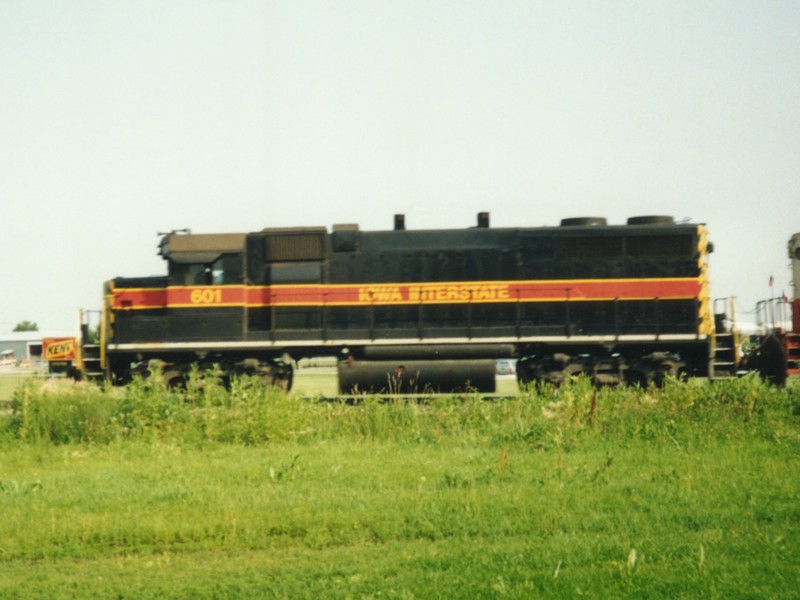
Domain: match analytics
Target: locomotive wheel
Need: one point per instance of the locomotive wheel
(281, 375)
(175, 380)
(283, 381)
(273, 372)
(636, 378)
(555, 369)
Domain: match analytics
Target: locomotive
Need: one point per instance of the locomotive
(775, 351)
(420, 310)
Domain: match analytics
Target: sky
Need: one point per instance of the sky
(120, 120)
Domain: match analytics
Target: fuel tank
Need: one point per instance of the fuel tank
(416, 376)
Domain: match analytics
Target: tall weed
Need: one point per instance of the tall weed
(248, 412)
(52, 412)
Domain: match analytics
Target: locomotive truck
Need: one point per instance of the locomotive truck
(420, 310)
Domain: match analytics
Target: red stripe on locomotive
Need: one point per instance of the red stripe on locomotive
(407, 293)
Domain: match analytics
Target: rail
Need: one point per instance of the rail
(774, 313)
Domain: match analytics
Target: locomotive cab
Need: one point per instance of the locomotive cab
(203, 259)
(193, 317)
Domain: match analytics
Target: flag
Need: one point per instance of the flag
(771, 280)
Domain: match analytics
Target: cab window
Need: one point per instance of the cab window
(226, 270)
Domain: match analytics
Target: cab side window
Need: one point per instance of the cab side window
(225, 270)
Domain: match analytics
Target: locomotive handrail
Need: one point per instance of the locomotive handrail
(656, 316)
(372, 319)
(273, 322)
(419, 319)
(323, 317)
(469, 319)
(567, 315)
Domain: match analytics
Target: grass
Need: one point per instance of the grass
(690, 491)
(10, 382)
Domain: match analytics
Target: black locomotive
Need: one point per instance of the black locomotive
(422, 311)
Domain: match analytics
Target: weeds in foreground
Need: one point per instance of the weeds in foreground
(248, 412)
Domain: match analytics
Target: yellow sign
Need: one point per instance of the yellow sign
(59, 349)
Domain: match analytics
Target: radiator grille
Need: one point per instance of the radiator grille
(295, 246)
(661, 245)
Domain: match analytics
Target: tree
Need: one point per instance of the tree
(26, 326)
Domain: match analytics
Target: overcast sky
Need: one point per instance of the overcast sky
(119, 120)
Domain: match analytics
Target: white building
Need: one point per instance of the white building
(25, 347)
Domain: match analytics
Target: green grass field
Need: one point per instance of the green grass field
(8, 383)
(690, 491)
